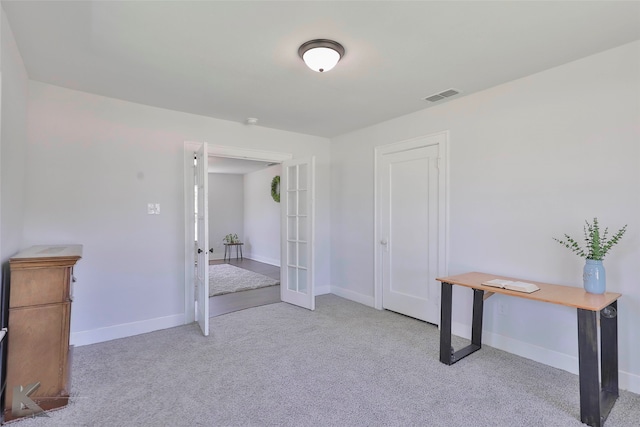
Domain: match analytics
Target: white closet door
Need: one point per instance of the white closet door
(409, 210)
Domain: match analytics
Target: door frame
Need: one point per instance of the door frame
(443, 203)
(189, 230)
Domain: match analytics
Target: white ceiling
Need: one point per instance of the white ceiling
(238, 59)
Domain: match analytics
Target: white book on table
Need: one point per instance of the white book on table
(512, 285)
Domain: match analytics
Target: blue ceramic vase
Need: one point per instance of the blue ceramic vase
(594, 277)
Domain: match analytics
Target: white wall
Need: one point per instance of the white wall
(261, 217)
(93, 165)
(13, 141)
(226, 210)
(529, 160)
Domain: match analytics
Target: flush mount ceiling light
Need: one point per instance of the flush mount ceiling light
(321, 54)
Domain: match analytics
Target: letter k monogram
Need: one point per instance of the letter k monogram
(22, 404)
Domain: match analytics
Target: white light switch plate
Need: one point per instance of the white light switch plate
(153, 208)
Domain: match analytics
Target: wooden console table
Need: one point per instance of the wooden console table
(228, 246)
(598, 393)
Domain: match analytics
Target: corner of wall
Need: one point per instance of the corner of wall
(353, 296)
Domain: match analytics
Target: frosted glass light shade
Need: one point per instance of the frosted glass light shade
(321, 59)
(321, 55)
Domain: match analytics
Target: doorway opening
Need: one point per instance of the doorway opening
(196, 280)
(244, 234)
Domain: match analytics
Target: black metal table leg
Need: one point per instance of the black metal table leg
(447, 354)
(478, 309)
(609, 349)
(588, 368)
(597, 397)
(445, 324)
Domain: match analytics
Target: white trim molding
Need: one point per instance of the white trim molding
(626, 380)
(247, 154)
(124, 330)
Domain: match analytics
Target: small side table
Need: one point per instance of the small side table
(228, 248)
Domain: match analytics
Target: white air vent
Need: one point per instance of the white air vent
(442, 95)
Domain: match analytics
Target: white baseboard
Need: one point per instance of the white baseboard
(322, 290)
(521, 348)
(125, 330)
(531, 351)
(265, 260)
(627, 381)
(353, 296)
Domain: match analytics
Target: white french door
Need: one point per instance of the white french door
(196, 282)
(297, 213)
(411, 226)
(202, 243)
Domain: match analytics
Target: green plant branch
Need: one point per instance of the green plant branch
(231, 238)
(596, 246)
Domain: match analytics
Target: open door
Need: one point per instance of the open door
(202, 243)
(297, 197)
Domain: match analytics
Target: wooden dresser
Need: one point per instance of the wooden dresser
(40, 294)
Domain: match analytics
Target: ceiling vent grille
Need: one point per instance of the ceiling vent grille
(442, 95)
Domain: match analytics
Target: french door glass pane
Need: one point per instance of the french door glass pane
(292, 228)
(302, 202)
(293, 178)
(302, 229)
(292, 282)
(302, 255)
(302, 177)
(302, 280)
(292, 253)
(292, 206)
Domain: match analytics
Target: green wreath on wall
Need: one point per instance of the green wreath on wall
(275, 188)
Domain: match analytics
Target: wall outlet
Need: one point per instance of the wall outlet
(502, 308)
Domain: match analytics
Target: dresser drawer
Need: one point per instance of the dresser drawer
(39, 286)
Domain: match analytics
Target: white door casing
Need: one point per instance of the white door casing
(410, 229)
(297, 187)
(190, 147)
(202, 247)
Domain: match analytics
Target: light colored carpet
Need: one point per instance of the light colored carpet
(226, 278)
(343, 364)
